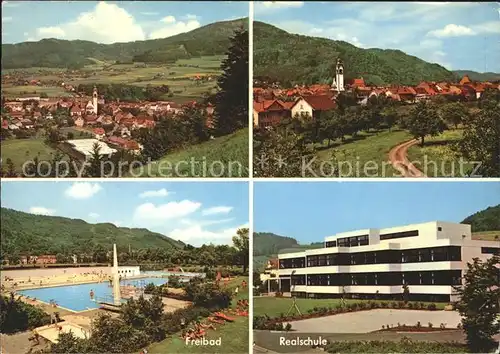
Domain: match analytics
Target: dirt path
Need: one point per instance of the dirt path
(399, 159)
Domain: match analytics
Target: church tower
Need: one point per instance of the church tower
(339, 75)
(94, 100)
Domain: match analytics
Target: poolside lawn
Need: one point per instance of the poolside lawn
(234, 335)
(274, 306)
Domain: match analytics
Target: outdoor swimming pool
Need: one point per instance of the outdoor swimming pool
(77, 297)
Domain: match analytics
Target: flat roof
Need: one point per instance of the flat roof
(86, 146)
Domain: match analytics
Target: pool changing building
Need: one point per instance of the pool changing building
(375, 263)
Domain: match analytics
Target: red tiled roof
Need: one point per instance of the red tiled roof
(465, 80)
(358, 82)
(99, 131)
(320, 102)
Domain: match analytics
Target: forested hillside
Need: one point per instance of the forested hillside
(212, 39)
(475, 76)
(38, 234)
(485, 220)
(296, 59)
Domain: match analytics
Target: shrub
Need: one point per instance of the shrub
(429, 325)
(431, 307)
(394, 305)
(419, 325)
(18, 316)
(405, 345)
(410, 305)
(174, 281)
(442, 326)
(288, 327)
(401, 305)
(209, 295)
(384, 305)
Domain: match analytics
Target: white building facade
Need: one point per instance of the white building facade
(127, 272)
(429, 258)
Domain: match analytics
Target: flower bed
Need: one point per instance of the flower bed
(416, 328)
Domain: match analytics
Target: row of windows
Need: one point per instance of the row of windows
(490, 250)
(352, 241)
(442, 277)
(431, 254)
(402, 234)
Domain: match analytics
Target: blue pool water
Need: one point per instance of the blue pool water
(77, 297)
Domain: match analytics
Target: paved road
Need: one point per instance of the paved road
(399, 159)
(373, 320)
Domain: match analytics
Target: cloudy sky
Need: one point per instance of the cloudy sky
(108, 21)
(462, 35)
(193, 212)
(332, 207)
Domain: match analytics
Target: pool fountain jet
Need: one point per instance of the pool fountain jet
(116, 279)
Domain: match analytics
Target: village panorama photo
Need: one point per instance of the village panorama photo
(126, 89)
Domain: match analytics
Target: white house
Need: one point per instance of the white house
(430, 258)
(301, 107)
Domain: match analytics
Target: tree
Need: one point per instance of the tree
(479, 303)
(480, 142)
(231, 102)
(406, 293)
(389, 117)
(11, 168)
(15, 315)
(240, 242)
(454, 113)
(279, 154)
(423, 120)
(53, 136)
(94, 169)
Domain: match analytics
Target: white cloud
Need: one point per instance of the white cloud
(204, 222)
(148, 213)
(217, 210)
(280, 4)
(82, 190)
(487, 27)
(173, 28)
(106, 23)
(109, 23)
(6, 19)
(168, 19)
(452, 30)
(50, 32)
(315, 30)
(42, 211)
(158, 193)
(94, 215)
(268, 7)
(196, 235)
